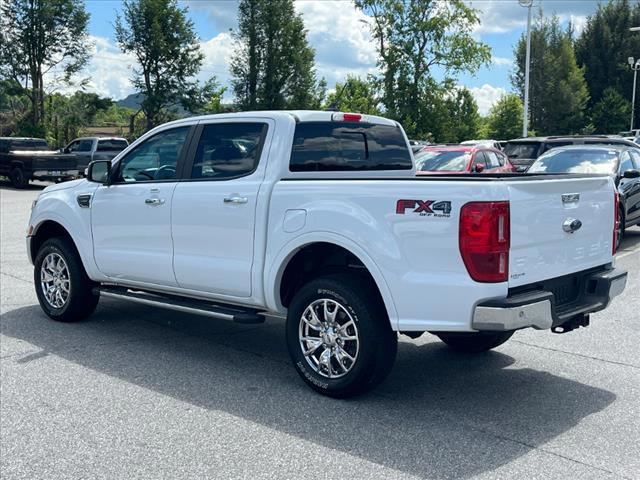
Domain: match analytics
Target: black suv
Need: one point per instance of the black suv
(523, 151)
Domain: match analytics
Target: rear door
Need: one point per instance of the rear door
(214, 209)
(543, 245)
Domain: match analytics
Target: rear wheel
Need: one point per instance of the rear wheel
(474, 342)
(18, 178)
(339, 336)
(64, 290)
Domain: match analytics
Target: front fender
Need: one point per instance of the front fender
(61, 206)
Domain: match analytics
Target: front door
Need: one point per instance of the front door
(214, 211)
(131, 218)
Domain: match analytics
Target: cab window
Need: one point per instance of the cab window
(155, 159)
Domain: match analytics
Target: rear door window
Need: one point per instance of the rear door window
(348, 146)
(228, 150)
(492, 159)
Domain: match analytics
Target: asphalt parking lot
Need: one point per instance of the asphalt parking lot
(136, 392)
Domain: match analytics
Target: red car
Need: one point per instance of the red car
(461, 159)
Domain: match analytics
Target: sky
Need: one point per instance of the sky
(336, 30)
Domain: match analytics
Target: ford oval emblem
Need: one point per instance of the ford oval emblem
(571, 225)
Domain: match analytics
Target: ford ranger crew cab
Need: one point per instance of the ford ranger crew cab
(318, 217)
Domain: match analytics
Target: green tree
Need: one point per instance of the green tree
(355, 95)
(505, 118)
(611, 113)
(558, 92)
(206, 99)
(68, 115)
(162, 38)
(40, 37)
(412, 38)
(273, 66)
(458, 118)
(604, 46)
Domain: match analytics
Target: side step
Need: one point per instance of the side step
(183, 304)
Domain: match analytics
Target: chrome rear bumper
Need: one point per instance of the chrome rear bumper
(541, 310)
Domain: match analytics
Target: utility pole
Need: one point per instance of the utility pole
(525, 122)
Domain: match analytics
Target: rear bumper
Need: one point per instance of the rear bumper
(539, 309)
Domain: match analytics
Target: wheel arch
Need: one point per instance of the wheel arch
(311, 255)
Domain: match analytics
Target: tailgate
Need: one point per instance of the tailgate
(542, 211)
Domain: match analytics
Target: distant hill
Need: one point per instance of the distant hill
(131, 101)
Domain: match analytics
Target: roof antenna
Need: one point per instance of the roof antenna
(334, 105)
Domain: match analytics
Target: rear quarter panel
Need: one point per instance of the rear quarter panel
(413, 257)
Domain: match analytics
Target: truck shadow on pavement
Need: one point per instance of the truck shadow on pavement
(438, 415)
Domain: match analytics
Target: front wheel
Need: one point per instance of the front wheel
(64, 290)
(474, 342)
(339, 336)
(18, 178)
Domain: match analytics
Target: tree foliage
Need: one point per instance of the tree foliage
(162, 38)
(611, 113)
(604, 46)
(558, 92)
(459, 119)
(355, 95)
(505, 118)
(42, 39)
(273, 66)
(412, 38)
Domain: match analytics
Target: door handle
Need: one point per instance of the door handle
(235, 199)
(154, 201)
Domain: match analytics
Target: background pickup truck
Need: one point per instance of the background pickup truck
(318, 216)
(24, 159)
(88, 149)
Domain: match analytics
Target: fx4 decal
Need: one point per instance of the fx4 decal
(425, 208)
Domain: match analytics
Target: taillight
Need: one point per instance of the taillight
(484, 240)
(616, 220)
(346, 117)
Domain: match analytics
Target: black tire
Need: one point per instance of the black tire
(377, 342)
(18, 178)
(80, 301)
(474, 342)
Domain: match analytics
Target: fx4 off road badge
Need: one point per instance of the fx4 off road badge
(425, 208)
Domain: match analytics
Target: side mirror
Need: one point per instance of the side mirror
(99, 171)
(631, 174)
(478, 168)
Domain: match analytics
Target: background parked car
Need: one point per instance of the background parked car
(483, 143)
(23, 159)
(88, 149)
(523, 151)
(622, 162)
(461, 159)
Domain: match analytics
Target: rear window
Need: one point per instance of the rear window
(576, 161)
(348, 146)
(522, 150)
(111, 145)
(442, 161)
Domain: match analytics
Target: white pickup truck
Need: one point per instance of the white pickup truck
(317, 216)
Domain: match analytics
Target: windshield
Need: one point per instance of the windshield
(576, 161)
(521, 150)
(447, 161)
